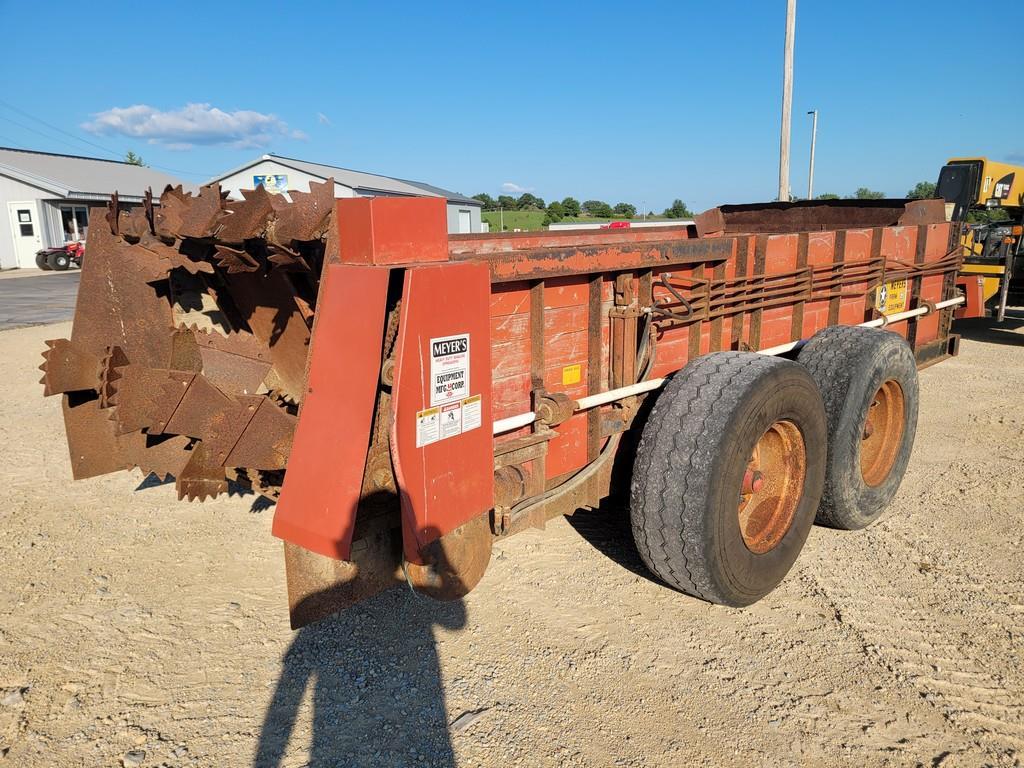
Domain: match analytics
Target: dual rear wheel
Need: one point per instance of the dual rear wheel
(742, 453)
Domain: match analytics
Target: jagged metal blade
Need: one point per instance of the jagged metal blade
(182, 215)
(267, 439)
(172, 257)
(201, 478)
(233, 260)
(116, 304)
(110, 373)
(157, 454)
(139, 400)
(92, 444)
(246, 219)
(68, 368)
(134, 223)
(235, 362)
(283, 257)
(306, 217)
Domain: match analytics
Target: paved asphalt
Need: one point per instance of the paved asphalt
(37, 300)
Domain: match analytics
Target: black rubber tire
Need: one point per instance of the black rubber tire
(42, 261)
(689, 469)
(849, 364)
(59, 261)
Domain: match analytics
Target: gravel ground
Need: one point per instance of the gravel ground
(137, 630)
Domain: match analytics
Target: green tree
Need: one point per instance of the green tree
(132, 159)
(527, 202)
(487, 200)
(555, 212)
(827, 196)
(678, 210)
(571, 206)
(507, 202)
(923, 190)
(597, 208)
(987, 216)
(863, 193)
(624, 209)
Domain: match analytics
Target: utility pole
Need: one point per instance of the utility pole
(501, 218)
(787, 101)
(814, 137)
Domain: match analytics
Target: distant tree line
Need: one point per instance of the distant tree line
(921, 191)
(570, 207)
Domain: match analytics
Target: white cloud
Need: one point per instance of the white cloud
(323, 119)
(513, 188)
(192, 124)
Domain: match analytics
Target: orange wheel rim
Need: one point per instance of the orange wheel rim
(773, 485)
(883, 433)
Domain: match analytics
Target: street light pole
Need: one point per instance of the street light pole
(787, 101)
(814, 137)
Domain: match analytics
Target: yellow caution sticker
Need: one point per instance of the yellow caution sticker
(891, 297)
(571, 374)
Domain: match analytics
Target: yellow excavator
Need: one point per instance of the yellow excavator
(988, 197)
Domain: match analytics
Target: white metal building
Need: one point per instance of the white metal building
(278, 174)
(45, 198)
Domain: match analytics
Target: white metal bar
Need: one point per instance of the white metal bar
(895, 318)
(514, 422)
(603, 398)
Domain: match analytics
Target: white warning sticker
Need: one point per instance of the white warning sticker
(451, 420)
(471, 412)
(428, 423)
(449, 369)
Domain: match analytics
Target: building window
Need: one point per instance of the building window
(75, 219)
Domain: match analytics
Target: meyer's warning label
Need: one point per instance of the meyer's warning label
(891, 297)
(428, 427)
(449, 369)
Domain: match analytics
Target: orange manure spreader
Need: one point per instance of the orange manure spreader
(409, 396)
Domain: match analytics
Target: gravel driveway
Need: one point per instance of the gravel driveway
(137, 630)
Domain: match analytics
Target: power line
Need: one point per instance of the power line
(37, 132)
(120, 157)
(60, 130)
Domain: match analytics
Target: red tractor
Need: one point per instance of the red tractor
(61, 257)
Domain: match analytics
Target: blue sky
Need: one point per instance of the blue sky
(640, 102)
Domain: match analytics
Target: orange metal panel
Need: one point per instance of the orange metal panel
(447, 481)
(317, 508)
(392, 230)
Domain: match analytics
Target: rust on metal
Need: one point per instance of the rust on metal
(817, 215)
(883, 433)
(772, 487)
(585, 259)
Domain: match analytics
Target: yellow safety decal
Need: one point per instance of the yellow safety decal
(571, 374)
(891, 297)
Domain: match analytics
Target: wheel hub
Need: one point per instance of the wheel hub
(883, 433)
(772, 487)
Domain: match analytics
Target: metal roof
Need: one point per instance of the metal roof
(360, 181)
(73, 176)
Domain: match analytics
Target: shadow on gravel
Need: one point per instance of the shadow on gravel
(607, 529)
(988, 330)
(377, 695)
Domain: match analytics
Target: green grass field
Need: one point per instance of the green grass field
(526, 220)
(531, 220)
(513, 219)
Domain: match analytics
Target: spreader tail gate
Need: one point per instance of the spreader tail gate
(391, 472)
